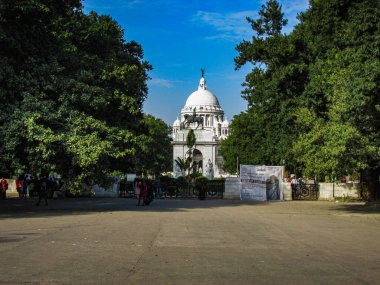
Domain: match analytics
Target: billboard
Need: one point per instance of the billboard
(260, 182)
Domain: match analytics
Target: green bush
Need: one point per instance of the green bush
(219, 179)
(201, 185)
(201, 180)
(196, 175)
(182, 181)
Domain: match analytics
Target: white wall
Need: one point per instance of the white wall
(327, 191)
(330, 191)
(231, 188)
(112, 191)
(287, 191)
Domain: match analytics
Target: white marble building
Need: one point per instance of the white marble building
(207, 147)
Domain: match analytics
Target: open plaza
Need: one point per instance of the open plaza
(190, 142)
(172, 241)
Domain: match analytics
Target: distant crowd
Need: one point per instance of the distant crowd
(27, 185)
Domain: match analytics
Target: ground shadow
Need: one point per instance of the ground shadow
(15, 208)
(359, 208)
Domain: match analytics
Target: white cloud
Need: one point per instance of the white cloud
(230, 26)
(233, 26)
(161, 82)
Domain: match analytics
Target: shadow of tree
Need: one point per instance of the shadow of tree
(15, 208)
(359, 208)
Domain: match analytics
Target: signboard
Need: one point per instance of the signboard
(131, 177)
(260, 182)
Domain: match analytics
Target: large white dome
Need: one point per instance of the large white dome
(202, 97)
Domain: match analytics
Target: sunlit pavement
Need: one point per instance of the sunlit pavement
(112, 241)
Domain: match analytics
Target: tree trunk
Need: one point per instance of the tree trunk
(373, 184)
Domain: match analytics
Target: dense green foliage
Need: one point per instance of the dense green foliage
(313, 95)
(184, 164)
(71, 93)
(156, 151)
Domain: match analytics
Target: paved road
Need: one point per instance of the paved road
(111, 241)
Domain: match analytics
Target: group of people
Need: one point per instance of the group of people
(295, 184)
(45, 187)
(22, 186)
(144, 192)
(294, 181)
(49, 187)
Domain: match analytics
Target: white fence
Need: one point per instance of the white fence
(327, 191)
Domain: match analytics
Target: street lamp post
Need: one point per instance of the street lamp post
(237, 165)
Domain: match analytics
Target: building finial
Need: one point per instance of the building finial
(202, 81)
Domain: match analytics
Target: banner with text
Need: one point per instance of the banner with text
(260, 182)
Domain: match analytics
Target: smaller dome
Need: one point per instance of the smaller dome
(225, 123)
(177, 123)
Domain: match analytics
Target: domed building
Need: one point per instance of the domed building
(210, 127)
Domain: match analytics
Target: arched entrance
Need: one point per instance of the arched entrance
(197, 161)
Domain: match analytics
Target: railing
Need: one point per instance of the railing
(127, 190)
(173, 189)
(305, 192)
(215, 189)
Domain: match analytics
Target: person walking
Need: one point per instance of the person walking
(138, 187)
(157, 188)
(144, 193)
(4, 188)
(28, 179)
(24, 188)
(148, 192)
(141, 192)
(19, 187)
(42, 191)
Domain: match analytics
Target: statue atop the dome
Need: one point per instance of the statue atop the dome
(202, 82)
(189, 119)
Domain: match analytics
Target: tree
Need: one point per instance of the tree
(271, 20)
(71, 89)
(313, 94)
(190, 142)
(341, 133)
(264, 134)
(184, 164)
(155, 150)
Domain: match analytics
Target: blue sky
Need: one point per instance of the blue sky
(179, 37)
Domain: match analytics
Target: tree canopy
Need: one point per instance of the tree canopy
(312, 94)
(155, 154)
(71, 91)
